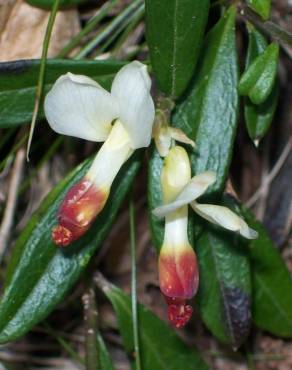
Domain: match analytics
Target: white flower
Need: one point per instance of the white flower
(218, 215)
(78, 106)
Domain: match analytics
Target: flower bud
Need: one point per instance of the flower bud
(177, 265)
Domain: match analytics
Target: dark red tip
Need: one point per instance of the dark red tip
(78, 210)
(179, 313)
(62, 236)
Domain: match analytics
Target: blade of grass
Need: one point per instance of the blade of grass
(53, 148)
(119, 30)
(99, 16)
(67, 347)
(40, 84)
(13, 151)
(134, 286)
(107, 30)
(90, 323)
(131, 26)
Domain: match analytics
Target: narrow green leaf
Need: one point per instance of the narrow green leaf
(161, 348)
(224, 296)
(258, 80)
(209, 113)
(272, 284)
(174, 30)
(261, 7)
(104, 357)
(47, 4)
(40, 274)
(155, 197)
(259, 117)
(18, 82)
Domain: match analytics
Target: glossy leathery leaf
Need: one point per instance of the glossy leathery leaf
(47, 4)
(224, 296)
(258, 80)
(208, 115)
(18, 82)
(259, 117)
(161, 348)
(155, 199)
(174, 31)
(272, 283)
(105, 361)
(261, 7)
(40, 274)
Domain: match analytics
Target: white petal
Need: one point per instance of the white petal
(131, 88)
(78, 106)
(224, 217)
(110, 158)
(178, 135)
(162, 138)
(193, 190)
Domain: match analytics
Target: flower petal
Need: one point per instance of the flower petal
(178, 135)
(131, 88)
(224, 217)
(193, 190)
(78, 106)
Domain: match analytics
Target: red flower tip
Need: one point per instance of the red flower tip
(62, 236)
(179, 313)
(81, 205)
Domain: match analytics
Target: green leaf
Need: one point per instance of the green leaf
(161, 348)
(272, 284)
(208, 115)
(259, 117)
(39, 273)
(261, 7)
(174, 30)
(47, 4)
(258, 80)
(155, 197)
(18, 82)
(224, 296)
(104, 357)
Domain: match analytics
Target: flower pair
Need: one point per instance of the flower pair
(177, 265)
(78, 106)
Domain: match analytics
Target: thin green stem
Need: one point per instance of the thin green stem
(119, 30)
(107, 30)
(90, 323)
(40, 85)
(13, 150)
(134, 286)
(130, 27)
(7, 136)
(67, 347)
(99, 16)
(53, 148)
(272, 29)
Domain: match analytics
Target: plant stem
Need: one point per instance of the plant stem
(134, 286)
(53, 148)
(40, 85)
(107, 30)
(90, 321)
(130, 27)
(268, 27)
(116, 33)
(102, 12)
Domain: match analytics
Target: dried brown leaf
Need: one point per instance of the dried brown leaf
(24, 30)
